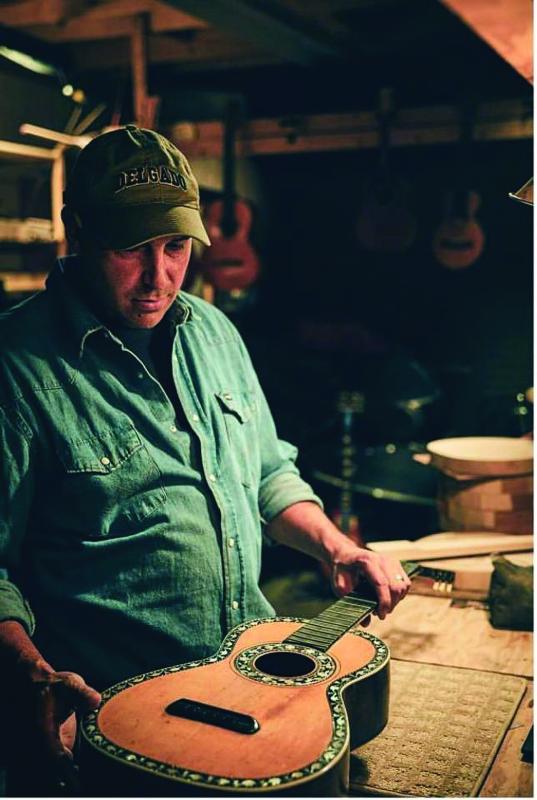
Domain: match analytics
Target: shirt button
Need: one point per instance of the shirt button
(212, 478)
(234, 605)
(231, 542)
(140, 375)
(173, 429)
(195, 418)
(105, 461)
(228, 396)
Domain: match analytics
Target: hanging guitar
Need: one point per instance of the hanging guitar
(459, 239)
(275, 711)
(385, 223)
(231, 262)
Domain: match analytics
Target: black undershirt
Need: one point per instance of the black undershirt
(153, 346)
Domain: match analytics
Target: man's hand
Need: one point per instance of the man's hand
(350, 563)
(44, 704)
(306, 527)
(57, 698)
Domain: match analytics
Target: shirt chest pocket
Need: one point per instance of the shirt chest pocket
(109, 483)
(239, 413)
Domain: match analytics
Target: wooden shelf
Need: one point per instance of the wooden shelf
(21, 282)
(501, 120)
(54, 156)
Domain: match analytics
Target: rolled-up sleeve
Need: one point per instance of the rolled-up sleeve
(16, 492)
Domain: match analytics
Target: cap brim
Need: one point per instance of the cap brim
(125, 227)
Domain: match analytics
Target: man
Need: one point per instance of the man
(140, 460)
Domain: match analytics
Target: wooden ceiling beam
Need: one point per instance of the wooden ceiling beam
(506, 25)
(82, 30)
(263, 27)
(36, 12)
(163, 17)
(206, 48)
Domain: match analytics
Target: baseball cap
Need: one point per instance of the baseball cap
(132, 185)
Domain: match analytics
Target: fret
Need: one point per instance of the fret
(319, 625)
(325, 629)
(319, 635)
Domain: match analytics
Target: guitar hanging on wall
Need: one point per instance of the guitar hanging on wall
(459, 239)
(231, 262)
(275, 711)
(386, 223)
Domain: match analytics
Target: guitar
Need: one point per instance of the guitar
(459, 239)
(231, 262)
(275, 711)
(385, 223)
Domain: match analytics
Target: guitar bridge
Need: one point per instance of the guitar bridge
(213, 715)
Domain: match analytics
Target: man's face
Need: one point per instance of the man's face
(137, 287)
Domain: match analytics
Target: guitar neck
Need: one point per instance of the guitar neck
(325, 629)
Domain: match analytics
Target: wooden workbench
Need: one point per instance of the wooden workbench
(453, 633)
(438, 631)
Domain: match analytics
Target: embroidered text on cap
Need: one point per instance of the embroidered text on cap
(150, 174)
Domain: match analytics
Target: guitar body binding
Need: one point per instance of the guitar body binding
(353, 708)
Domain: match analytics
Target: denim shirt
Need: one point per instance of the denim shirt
(131, 539)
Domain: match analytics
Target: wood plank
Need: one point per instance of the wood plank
(451, 544)
(492, 487)
(115, 19)
(35, 12)
(57, 183)
(139, 67)
(516, 522)
(27, 151)
(27, 128)
(162, 16)
(207, 49)
(506, 25)
(509, 776)
(432, 630)
(472, 576)
(321, 132)
(79, 29)
(288, 38)
(23, 281)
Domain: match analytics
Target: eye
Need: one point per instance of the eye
(132, 251)
(176, 245)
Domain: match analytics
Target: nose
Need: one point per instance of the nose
(153, 269)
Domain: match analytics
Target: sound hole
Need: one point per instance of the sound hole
(285, 665)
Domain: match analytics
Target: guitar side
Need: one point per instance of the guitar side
(307, 723)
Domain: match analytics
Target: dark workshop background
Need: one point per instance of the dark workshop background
(327, 315)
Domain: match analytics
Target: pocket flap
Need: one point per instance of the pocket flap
(236, 404)
(102, 453)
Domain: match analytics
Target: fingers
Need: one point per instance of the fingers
(343, 580)
(58, 699)
(399, 584)
(76, 690)
(385, 574)
(393, 584)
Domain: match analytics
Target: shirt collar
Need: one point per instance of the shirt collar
(81, 319)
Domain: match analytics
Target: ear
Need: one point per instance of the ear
(72, 225)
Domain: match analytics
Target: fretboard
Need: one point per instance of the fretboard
(323, 631)
(327, 627)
